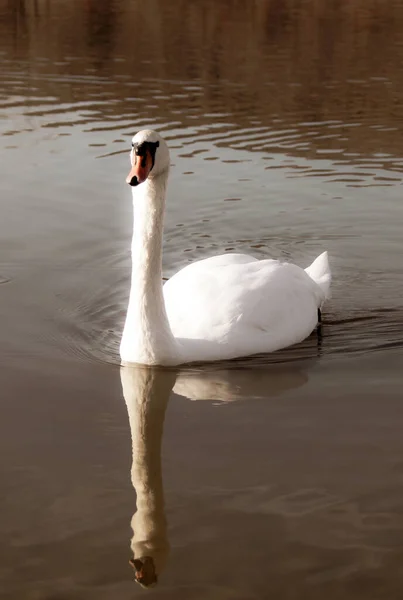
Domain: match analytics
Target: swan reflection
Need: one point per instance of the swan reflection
(229, 384)
(146, 391)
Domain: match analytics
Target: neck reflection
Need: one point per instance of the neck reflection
(146, 392)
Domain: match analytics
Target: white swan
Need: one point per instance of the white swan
(218, 308)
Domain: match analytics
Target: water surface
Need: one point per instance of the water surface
(282, 475)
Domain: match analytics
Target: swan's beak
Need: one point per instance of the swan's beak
(145, 573)
(141, 167)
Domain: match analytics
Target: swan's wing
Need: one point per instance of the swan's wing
(193, 294)
(206, 264)
(244, 304)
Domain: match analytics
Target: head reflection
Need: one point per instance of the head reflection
(146, 391)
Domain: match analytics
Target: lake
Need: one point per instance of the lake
(276, 476)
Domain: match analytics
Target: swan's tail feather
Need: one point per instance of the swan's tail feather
(320, 272)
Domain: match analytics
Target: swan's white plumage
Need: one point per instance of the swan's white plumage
(241, 306)
(319, 271)
(218, 308)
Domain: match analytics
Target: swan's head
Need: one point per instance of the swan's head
(144, 571)
(149, 157)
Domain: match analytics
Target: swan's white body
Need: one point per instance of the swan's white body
(219, 308)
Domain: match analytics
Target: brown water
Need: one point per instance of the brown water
(285, 126)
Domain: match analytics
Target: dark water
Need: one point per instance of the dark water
(285, 126)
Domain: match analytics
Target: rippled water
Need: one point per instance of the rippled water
(284, 121)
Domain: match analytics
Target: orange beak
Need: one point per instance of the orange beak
(141, 167)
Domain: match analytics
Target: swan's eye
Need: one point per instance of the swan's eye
(142, 149)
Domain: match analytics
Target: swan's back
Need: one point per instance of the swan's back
(235, 305)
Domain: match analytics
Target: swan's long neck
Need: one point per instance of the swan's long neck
(147, 337)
